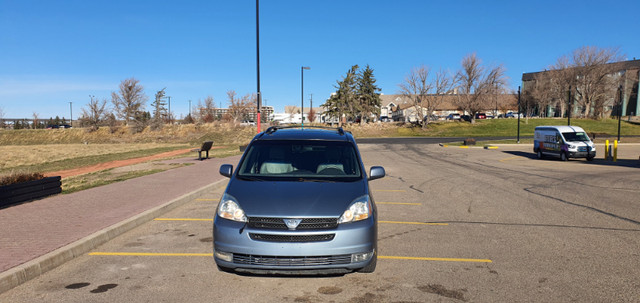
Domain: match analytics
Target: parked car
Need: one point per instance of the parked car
(384, 119)
(465, 118)
(513, 115)
(481, 116)
(453, 117)
(298, 202)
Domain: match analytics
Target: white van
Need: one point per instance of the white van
(563, 142)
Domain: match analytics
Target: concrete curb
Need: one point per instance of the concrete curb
(34, 268)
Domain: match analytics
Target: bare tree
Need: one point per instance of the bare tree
(415, 88)
(206, 111)
(476, 84)
(94, 114)
(36, 120)
(239, 108)
(594, 84)
(129, 100)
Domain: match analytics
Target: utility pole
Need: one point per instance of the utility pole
(169, 109)
(71, 112)
(518, 114)
(569, 112)
(258, 96)
(619, 110)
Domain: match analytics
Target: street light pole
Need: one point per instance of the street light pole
(71, 112)
(302, 68)
(518, 114)
(259, 96)
(619, 110)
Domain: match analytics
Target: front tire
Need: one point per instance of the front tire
(371, 267)
(563, 156)
(539, 154)
(589, 158)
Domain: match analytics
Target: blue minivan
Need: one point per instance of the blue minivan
(299, 202)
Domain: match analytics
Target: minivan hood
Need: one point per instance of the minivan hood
(295, 199)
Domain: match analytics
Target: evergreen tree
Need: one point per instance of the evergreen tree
(159, 106)
(368, 95)
(342, 102)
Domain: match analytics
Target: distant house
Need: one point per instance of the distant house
(399, 108)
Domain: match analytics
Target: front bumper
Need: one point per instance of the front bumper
(233, 241)
(582, 154)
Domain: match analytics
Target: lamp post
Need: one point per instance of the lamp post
(71, 112)
(302, 68)
(518, 114)
(619, 110)
(258, 96)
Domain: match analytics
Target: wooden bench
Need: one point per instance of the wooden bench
(206, 146)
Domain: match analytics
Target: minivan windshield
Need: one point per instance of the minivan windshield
(575, 136)
(300, 160)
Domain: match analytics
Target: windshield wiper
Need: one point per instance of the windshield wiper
(315, 180)
(248, 178)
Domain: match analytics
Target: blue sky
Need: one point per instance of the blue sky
(56, 52)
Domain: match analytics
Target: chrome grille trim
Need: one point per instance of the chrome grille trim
(291, 238)
(291, 261)
(306, 224)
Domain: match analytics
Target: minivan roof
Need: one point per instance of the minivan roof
(561, 128)
(307, 133)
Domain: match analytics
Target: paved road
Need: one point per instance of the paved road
(456, 225)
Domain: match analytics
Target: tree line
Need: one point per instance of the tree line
(358, 98)
(128, 108)
(584, 79)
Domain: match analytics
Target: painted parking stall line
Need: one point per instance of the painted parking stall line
(383, 222)
(399, 203)
(135, 254)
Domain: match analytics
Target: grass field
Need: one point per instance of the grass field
(56, 157)
(42, 151)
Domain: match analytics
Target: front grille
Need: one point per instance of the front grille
(278, 223)
(291, 261)
(291, 238)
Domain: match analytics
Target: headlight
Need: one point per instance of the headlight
(360, 209)
(229, 209)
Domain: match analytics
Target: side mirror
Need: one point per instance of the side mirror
(226, 170)
(376, 172)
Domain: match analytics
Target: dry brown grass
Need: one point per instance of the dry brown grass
(220, 133)
(30, 155)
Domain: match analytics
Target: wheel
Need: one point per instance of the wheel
(563, 156)
(372, 265)
(589, 158)
(539, 153)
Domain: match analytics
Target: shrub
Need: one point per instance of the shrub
(14, 178)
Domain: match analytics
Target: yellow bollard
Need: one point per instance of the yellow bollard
(606, 149)
(615, 150)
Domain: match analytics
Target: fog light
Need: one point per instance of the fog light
(228, 257)
(355, 258)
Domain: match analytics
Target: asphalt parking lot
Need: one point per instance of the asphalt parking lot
(455, 225)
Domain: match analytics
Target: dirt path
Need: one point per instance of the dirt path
(117, 163)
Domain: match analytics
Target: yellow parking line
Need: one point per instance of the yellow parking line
(133, 254)
(398, 203)
(148, 254)
(391, 190)
(436, 259)
(414, 223)
(510, 158)
(180, 219)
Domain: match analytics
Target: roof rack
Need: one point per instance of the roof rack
(273, 129)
